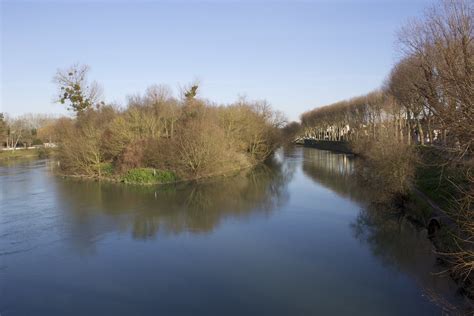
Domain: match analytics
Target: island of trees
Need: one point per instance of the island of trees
(157, 138)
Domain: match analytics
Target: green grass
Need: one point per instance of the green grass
(437, 181)
(19, 154)
(106, 169)
(148, 176)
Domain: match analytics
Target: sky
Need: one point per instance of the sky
(297, 55)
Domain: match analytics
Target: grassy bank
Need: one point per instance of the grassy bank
(431, 186)
(437, 179)
(446, 185)
(37, 153)
(151, 176)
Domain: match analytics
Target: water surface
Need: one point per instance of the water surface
(295, 237)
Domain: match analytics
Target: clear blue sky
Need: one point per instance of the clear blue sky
(295, 54)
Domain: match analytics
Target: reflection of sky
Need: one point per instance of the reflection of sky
(338, 164)
(335, 172)
(295, 257)
(81, 213)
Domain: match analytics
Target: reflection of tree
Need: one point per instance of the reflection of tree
(192, 207)
(391, 237)
(385, 230)
(343, 174)
(334, 171)
(400, 244)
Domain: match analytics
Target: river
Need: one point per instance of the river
(297, 236)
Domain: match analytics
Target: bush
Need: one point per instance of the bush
(391, 165)
(106, 169)
(194, 138)
(148, 176)
(36, 142)
(131, 157)
(44, 153)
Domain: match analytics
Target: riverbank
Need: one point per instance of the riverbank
(150, 176)
(431, 182)
(336, 146)
(429, 196)
(18, 154)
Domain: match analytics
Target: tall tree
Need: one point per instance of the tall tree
(75, 90)
(3, 128)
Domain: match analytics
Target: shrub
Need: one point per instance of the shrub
(391, 165)
(44, 153)
(106, 168)
(201, 148)
(192, 137)
(132, 156)
(37, 141)
(148, 176)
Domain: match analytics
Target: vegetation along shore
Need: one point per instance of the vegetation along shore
(417, 130)
(414, 134)
(157, 138)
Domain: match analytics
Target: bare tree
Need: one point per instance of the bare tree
(19, 132)
(75, 90)
(442, 45)
(3, 129)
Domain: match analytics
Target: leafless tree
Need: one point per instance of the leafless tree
(75, 90)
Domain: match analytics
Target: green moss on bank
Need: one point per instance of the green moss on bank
(148, 176)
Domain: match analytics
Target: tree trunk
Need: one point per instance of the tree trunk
(408, 133)
(420, 132)
(430, 131)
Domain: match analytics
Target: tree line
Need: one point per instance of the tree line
(26, 130)
(427, 100)
(157, 132)
(428, 95)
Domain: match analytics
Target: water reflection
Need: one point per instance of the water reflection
(334, 171)
(392, 238)
(266, 242)
(401, 244)
(196, 208)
